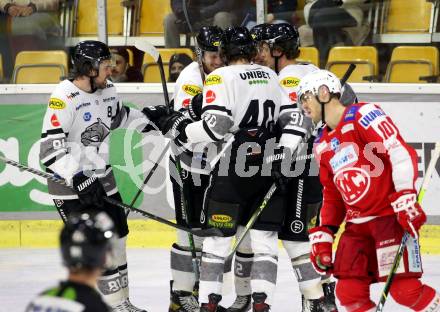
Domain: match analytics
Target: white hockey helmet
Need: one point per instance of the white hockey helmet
(313, 82)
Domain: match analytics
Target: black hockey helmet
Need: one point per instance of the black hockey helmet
(237, 42)
(285, 38)
(261, 32)
(88, 54)
(208, 38)
(348, 96)
(86, 240)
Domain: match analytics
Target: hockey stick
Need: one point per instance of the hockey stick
(201, 233)
(150, 49)
(252, 220)
(147, 47)
(406, 235)
(147, 178)
(348, 73)
(199, 52)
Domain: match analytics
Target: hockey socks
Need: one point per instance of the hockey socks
(182, 270)
(308, 279)
(111, 287)
(410, 292)
(242, 271)
(354, 295)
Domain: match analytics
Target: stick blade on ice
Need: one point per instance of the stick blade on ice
(147, 47)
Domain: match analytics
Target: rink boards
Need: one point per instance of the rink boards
(27, 217)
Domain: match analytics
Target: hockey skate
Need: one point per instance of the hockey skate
(183, 301)
(212, 305)
(317, 305)
(241, 304)
(259, 304)
(329, 296)
(127, 306)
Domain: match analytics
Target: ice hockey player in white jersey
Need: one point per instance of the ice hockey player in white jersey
(304, 191)
(242, 99)
(86, 250)
(75, 146)
(195, 173)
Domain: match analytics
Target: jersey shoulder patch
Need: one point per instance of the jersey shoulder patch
(191, 89)
(56, 103)
(62, 95)
(368, 113)
(350, 113)
(213, 79)
(289, 82)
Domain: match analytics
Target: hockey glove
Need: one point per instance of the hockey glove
(89, 189)
(409, 213)
(173, 127)
(195, 107)
(321, 239)
(276, 160)
(153, 113)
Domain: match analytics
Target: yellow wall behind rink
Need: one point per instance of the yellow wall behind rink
(143, 234)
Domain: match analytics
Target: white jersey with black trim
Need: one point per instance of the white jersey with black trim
(187, 86)
(295, 126)
(75, 134)
(197, 158)
(236, 97)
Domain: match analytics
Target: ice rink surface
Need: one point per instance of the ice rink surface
(26, 272)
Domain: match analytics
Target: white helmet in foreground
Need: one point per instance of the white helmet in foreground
(320, 83)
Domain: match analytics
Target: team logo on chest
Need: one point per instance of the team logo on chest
(95, 133)
(353, 184)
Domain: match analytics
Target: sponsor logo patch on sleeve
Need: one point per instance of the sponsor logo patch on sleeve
(55, 103)
(293, 97)
(54, 121)
(186, 102)
(289, 82)
(213, 80)
(191, 89)
(210, 96)
(367, 119)
(351, 113)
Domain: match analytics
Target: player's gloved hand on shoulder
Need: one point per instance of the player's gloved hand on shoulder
(173, 126)
(321, 239)
(89, 189)
(409, 212)
(280, 155)
(153, 113)
(195, 107)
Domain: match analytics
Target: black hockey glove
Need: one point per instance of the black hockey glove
(173, 127)
(195, 107)
(153, 113)
(276, 160)
(89, 189)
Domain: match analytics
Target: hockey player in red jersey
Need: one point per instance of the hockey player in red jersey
(368, 173)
